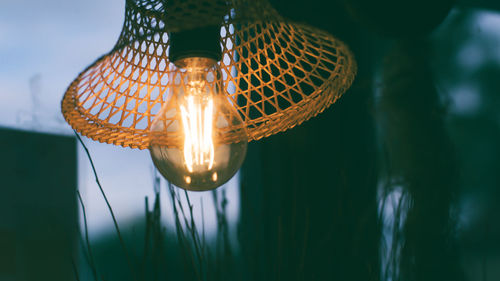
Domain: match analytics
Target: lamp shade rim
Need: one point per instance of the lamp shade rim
(277, 74)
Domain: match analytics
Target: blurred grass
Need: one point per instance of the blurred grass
(200, 261)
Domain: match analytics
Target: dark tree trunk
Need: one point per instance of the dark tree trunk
(309, 208)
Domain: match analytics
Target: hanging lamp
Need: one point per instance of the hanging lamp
(194, 81)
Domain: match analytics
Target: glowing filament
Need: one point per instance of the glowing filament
(197, 123)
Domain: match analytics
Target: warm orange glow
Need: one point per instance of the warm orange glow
(197, 122)
(210, 136)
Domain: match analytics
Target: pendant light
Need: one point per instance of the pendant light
(194, 81)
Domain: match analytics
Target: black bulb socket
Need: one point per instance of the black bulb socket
(198, 42)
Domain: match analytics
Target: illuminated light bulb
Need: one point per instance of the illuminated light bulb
(198, 139)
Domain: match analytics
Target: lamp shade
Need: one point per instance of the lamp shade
(276, 73)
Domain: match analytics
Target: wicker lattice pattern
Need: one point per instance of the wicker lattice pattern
(277, 74)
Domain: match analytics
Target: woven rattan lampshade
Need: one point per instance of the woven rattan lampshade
(277, 73)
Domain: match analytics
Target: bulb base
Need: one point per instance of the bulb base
(199, 42)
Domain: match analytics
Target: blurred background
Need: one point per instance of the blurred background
(398, 180)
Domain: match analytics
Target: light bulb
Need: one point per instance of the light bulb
(198, 139)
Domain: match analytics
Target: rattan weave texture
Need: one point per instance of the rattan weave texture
(277, 73)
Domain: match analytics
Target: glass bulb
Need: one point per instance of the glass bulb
(198, 139)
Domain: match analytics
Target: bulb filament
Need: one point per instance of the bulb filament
(197, 116)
